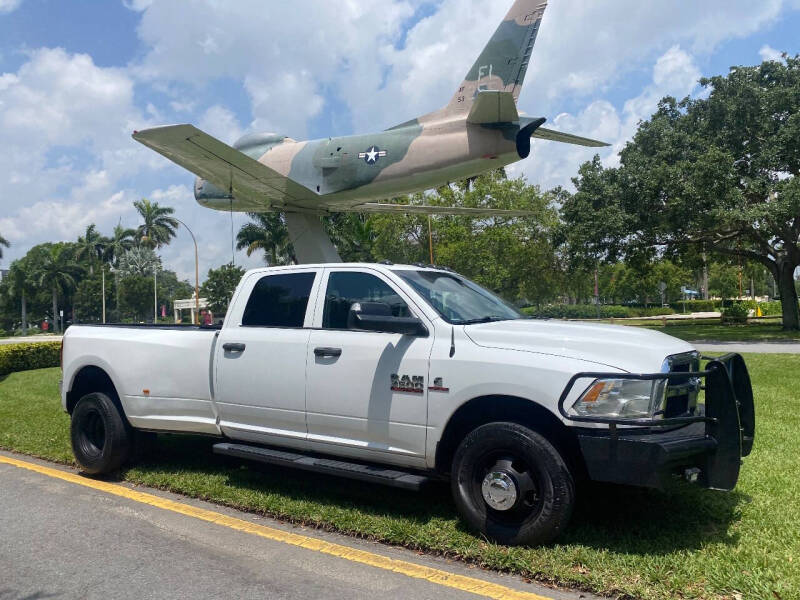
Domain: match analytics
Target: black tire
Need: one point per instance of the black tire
(544, 487)
(101, 439)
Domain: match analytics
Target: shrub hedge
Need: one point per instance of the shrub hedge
(24, 357)
(592, 311)
(735, 313)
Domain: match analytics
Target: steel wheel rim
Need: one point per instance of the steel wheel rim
(527, 482)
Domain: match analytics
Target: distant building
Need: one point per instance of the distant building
(3, 274)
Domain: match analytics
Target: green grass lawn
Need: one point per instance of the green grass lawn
(712, 330)
(684, 543)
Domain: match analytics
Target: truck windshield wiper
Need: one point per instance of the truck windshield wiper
(490, 319)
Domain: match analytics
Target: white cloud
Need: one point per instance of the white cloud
(675, 73)
(66, 124)
(767, 52)
(283, 54)
(221, 123)
(7, 6)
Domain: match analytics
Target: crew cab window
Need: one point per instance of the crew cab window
(279, 301)
(346, 288)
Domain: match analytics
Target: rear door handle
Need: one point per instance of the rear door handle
(327, 352)
(233, 347)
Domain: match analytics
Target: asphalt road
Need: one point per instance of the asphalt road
(62, 540)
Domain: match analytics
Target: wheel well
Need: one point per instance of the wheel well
(488, 409)
(92, 379)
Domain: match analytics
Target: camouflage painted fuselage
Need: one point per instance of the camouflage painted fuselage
(350, 170)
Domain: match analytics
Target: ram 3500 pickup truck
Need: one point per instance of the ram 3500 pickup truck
(400, 374)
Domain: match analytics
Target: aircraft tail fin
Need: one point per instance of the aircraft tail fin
(504, 61)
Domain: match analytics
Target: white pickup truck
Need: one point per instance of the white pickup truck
(399, 374)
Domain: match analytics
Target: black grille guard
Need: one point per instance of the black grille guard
(729, 413)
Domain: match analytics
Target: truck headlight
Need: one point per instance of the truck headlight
(623, 398)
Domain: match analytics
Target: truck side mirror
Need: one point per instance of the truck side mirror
(377, 316)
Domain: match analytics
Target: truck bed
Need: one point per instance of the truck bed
(162, 373)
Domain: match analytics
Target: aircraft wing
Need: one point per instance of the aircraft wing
(419, 209)
(224, 166)
(567, 138)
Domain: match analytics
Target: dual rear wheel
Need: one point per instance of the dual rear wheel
(101, 439)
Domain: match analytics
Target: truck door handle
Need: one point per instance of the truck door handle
(231, 347)
(327, 352)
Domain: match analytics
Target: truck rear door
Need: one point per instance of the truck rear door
(261, 358)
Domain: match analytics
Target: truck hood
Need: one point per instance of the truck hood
(631, 349)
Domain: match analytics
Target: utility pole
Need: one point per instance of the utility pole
(155, 294)
(430, 238)
(104, 292)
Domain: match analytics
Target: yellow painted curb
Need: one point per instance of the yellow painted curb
(437, 576)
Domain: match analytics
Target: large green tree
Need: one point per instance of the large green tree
(3, 243)
(219, 286)
(158, 227)
(267, 233)
(88, 298)
(719, 173)
(59, 273)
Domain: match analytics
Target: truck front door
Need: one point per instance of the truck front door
(366, 391)
(261, 359)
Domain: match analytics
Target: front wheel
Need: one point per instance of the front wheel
(511, 484)
(101, 440)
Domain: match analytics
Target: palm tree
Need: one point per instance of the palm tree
(117, 245)
(158, 228)
(20, 286)
(91, 247)
(268, 233)
(3, 242)
(58, 272)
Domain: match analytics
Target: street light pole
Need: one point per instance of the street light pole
(196, 274)
(155, 294)
(104, 292)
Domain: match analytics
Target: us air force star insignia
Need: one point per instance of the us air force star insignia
(372, 155)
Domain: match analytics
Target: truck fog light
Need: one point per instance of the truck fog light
(622, 398)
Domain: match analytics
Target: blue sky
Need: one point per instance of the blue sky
(76, 77)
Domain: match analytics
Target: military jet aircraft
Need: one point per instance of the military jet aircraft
(479, 130)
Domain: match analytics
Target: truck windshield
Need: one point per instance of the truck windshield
(458, 300)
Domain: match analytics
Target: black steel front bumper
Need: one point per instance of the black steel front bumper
(707, 447)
